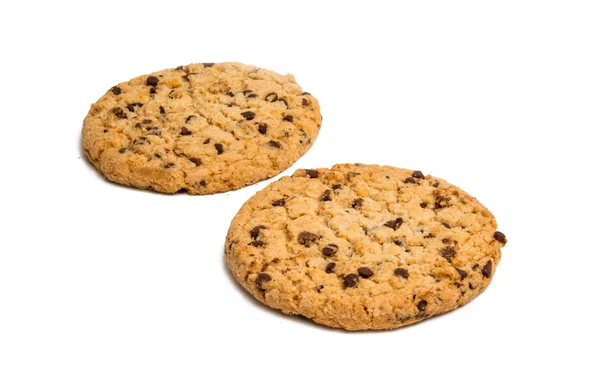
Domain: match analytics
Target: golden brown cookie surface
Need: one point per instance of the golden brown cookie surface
(205, 128)
(363, 246)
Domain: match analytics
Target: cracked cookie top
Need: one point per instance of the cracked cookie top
(363, 246)
(202, 128)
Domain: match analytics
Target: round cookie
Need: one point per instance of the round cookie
(202, 128)
(363, 246)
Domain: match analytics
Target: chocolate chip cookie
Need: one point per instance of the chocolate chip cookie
(363, 246)
(202, 128)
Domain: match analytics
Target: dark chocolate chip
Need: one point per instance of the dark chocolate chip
(351, 280)
(122, 150)
(248, 115)
(195, 161)
(474, 267)
(421, 305)
(337, 187)
(423, 205)
(320, 287)
(231, 94)
(208, 64)
(436, 184)
(262, 128)
(445, 225)
(307, 238)
(119, 113)
(116, 90)
(463, 274)
(137, 126)
(280, 202)
(399, 242)
(162, 110)
(330, 249)
(257, 243)
(500, 237)
(252, 96)
(245, 92)
(312, 173)
(260, 279)
(152, 80)
(429, 236)
(219, 148)
(305, 102)
(169, 165)
(410, 180)
(448, 253)
(305, 93)
(206, 141)
(330, 268)
(326, 195)
(365, 272)
(288, 118)
(272, 97)
(357, 203)
(486, 270)
(157, 155)
(418, 174)
(401, 272)
(394, 224)
(179, 68)
(105, 130)
(275, 260)
(185, 131)
(187, 120)
(471, 287)
(255, 231)
(274, 144)
(202, 183)
(147, 121)
(152, 91)
(441, 202)
(446, 241)
(458, 284)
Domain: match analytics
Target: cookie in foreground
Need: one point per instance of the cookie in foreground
(202, 128)
(363, 247)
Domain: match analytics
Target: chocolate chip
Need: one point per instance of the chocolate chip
(320, 287)
(262, 128)
(105, 130)
(206, 141)
(446, 241)
(305, 93)
(116, 90)
(122, 150)
(330, 249)
(288, 118)
(474, 267)
(179, 68)
(458, 284)
(357, 203)
(131, 107)
(119, 113)
(399, 242)
(169, 165)
(272, 97)
(441, 202)
(448, 253)
(307, 238)
(312, 173)
(445, 225)
(252, 96)
(147, 121)
(274, 144)
(330, 268)
(152, 80)
(326, 195)
(195, 161)
(305, 102)
(157, 155)
(208, 64)
(280, 202)
(421, 305)
(260, 279)
(248, 115)
(187, 120)
(337, 187)
(185, 131)
(418, 174)
(429, 236)
(410, 180)
(255, 231)
(423, 205)
(202, 183)
(486, 270)
(152, 91)
(162, 110)
(401, 272)
(500, 237)
(245, 92)
(231, 94)
(275, 260)
(463, 274)
(394, 224)
(219, 148)
(351, 280)
(365, 272)
(257, 243)
(436, 184)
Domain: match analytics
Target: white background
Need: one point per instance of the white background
(500, 98)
